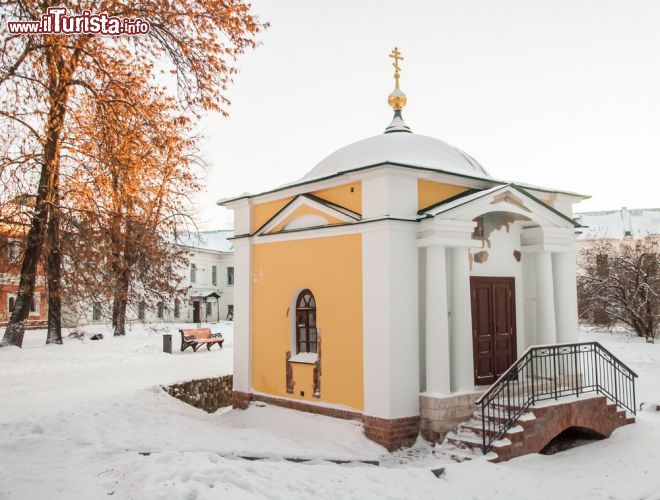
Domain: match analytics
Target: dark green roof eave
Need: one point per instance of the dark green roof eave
(552, 209)
(396, 164)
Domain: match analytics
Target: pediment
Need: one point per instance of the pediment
(307, 212)
(506, 198)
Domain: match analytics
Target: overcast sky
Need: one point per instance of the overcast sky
(562, 93)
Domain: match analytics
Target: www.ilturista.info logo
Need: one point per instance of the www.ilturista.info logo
(58, 22)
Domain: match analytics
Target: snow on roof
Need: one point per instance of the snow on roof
(217, 240)
(616, 224)
(405, 148)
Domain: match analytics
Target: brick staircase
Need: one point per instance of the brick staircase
(547, 390)
(535, 428)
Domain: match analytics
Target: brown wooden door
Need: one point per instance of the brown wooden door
(493, 327)
(196, 311)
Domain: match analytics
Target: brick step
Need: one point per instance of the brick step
(501, 417)
(459, 454)
(475, 426)
(467, 440)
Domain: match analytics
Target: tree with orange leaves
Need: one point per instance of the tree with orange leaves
(127, 208)
(45, 80)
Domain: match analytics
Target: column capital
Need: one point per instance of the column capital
(446, 232)
(547, 239)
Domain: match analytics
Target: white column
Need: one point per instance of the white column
(242, 315)
(462, 371)
(563, 272)
(438, 368)
(390, 319)
(546, 330)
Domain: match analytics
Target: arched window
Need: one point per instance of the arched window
(306, 338)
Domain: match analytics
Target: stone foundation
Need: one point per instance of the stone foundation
(240, 399)
(442, 414)
(208, 394)
(391, 433)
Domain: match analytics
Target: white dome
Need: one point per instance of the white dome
(401, 147)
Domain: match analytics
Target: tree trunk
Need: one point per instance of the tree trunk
(121, 300)
(54, 267)
(35, 238)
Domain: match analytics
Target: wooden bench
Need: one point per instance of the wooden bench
(197, 337)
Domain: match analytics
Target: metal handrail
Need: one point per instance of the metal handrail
(549, 372)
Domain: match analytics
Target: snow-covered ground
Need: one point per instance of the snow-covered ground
(88, 420)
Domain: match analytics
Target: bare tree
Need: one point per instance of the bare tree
(619, 283)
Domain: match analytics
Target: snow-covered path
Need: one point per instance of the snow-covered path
(87, 420)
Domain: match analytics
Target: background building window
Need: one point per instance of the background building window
(214, 275)
(230, 312)
(177, 308)
(193, 273)
(230, 275)
(141, 310)
(306, 334)
(11, 304)
(33, 305)
(96, 311)
(160, 310)
(209, 309)
(14, 250)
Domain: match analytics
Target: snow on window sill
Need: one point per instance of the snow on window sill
(305, 357)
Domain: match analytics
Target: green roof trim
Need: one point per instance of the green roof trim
(327, 226)
(315, 198)
(552, 209)
(458, 196)
(395, 164)
(511, 185)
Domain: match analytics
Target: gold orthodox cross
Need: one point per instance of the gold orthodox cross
(396, 55)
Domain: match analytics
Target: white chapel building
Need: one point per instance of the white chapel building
(395, 281)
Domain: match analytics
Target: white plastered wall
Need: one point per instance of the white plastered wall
(242, 298)
(390, 295)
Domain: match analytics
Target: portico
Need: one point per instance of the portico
(498, 279)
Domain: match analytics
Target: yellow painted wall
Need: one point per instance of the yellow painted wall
(305, 210)
(331, 268)
(342, 196)
(263, 212)
(430, 192)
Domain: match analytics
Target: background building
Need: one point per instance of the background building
(619, 224)
(208, 279)
(12, 239)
